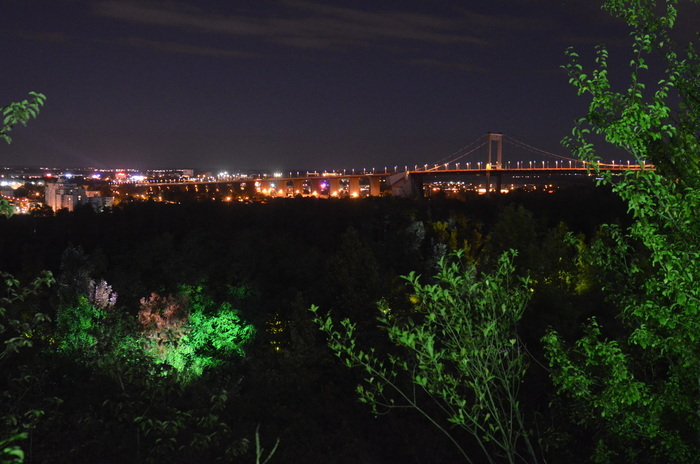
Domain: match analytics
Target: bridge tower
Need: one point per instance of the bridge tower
(497, 138)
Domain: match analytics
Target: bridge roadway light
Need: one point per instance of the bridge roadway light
(425, 167)
(457, 166)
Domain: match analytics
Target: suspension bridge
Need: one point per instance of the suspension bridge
(482, 158)
(492, 167)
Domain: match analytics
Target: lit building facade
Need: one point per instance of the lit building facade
(67, 194)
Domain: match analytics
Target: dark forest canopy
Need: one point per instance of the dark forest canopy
(268, 262)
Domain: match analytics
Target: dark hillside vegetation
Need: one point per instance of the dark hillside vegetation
(113, 374)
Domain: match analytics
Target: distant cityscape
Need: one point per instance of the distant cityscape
(46, 191)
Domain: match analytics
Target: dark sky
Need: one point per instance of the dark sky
(292, 83)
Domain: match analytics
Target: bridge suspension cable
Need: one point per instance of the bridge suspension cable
(483, 140)
(456, 156)
(450, 158)
(532, 149)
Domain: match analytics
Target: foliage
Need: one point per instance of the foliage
(141, 410)
(11, 453)
(6, 208)
(20, 113)
(19, 329)
(284, 252)
(80, 326)
(458, 233)
(90, 323)
(189, 333)
(260, 451)
(460, 348)
(18, 332)
(13, 114)
(186, 332)
(641, 390)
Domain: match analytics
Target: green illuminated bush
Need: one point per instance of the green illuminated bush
(89, 324)
(190, 333)
(80, 325)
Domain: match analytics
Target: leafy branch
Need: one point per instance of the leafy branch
(459, 348)
(20, 113)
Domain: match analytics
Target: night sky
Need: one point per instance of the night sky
(291, 84)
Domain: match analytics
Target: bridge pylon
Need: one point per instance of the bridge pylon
(497, 138)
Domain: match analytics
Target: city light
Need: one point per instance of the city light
(169, 185)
